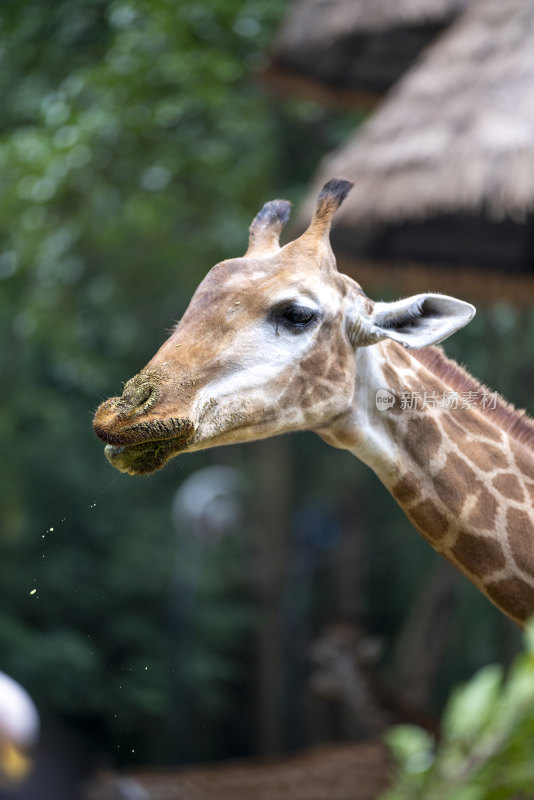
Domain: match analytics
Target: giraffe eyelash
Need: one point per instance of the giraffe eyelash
(294, 316)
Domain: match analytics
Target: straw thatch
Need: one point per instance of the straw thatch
(444, 170)
(457, 133)
(343, 47)
(326, 20)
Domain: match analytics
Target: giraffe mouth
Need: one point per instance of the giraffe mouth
(143, 449)
(142, 459)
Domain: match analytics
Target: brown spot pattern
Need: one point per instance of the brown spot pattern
(503, 416)
(430, 384)
(422, 439)
(480, 555)
(420, 385)
(295, 391)
(514, 596)
(483, 514)
(451, 427)
(454, 481)
(315, 363)
(407, 489)
(508, 485)
(318, 392)
(466, 421)
(485, 456)
(521, 538)
(432, 523)
(524, 460)
(335, 374)
(478, 426)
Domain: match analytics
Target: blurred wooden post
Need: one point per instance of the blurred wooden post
(346, 562)
(271, 527)
(424, 636)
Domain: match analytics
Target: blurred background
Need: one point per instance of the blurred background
(262, 598)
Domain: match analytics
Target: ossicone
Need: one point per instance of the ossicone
(330, 198)
(266, 227)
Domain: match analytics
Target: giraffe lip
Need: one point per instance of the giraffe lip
(146, 457)
(146, 447)
(155, 430)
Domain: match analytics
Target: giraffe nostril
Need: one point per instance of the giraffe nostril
(143, 397)
(138, 401)
(146, 397)
(140, 393)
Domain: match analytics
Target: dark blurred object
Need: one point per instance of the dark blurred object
(343, 681)
(443, 172)
(425, 635)
(342, 772)
(345, 678)
(352, 51)
(350, 695)
(271, 532)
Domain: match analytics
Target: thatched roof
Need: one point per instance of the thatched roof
(444, 170)
(353, 47)
(457, 132)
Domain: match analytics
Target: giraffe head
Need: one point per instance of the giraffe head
(267, 345)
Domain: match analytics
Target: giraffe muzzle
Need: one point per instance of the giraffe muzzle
(135, 444)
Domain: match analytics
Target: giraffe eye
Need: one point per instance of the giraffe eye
(298, 316)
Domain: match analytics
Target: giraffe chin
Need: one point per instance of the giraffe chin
(142, 459)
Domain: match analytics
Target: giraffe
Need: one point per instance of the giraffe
(278, 340)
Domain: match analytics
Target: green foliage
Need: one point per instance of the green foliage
(485, 749)
(136, 144)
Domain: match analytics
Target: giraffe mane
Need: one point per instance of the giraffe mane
(514, 421)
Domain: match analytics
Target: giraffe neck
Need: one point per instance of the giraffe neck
(461, 469)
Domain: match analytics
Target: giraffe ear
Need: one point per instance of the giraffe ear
(419, 321)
